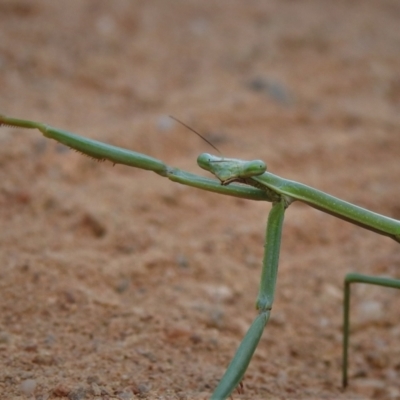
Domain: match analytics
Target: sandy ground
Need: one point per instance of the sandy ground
(118, 284)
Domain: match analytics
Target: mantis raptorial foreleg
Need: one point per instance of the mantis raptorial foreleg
(255, 184)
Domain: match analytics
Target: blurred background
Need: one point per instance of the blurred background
(116, 283)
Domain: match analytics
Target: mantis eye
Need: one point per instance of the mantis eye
(253, 168)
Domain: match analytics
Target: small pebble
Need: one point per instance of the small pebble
(199, 26)
(77, 394)
(143, 388)
(28, 386)
(273, 89)
(4, 337)
(182, 261)
(219, 292)
(127, 394)
(370, 311)
(216, 318)
(165, 123)
(278, 318)
(122, 286)
(61, 391)
(373, 388)
(105, 25)
(95, 389)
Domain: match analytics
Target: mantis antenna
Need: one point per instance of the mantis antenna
(197, 133)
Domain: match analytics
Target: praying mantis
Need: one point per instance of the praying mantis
(248, 180)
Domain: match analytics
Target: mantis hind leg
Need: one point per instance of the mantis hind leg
(357, 278)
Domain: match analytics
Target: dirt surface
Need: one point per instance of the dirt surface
(118, 284)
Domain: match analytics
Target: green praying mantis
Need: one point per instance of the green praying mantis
(247, 180)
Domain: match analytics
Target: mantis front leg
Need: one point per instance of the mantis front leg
(238, 366)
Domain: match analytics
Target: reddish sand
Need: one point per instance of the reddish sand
(118, 284)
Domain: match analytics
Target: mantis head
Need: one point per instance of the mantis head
(228, 170)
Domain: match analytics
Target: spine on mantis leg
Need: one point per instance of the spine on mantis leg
(103, 151)
(244, 353)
